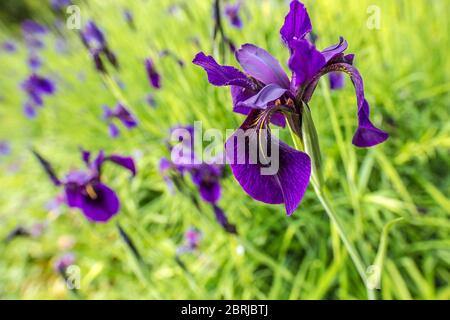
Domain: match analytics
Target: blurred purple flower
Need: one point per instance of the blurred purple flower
(60, 5)
(5, 148)
(153, 75)
(32, 27)
(63, 262)
(150, 99)
(336, 80)
(85, 189)
(36, 87)
(191, 243)
(232, 12)
(121, 113)
(9, 46)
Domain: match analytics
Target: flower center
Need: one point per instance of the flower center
(91, 192)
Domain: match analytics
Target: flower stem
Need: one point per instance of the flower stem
(322, 195)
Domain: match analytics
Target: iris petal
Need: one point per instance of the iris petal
(221, 75)
(261, 65)
(296, 24)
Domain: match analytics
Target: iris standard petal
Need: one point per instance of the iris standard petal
(261, 65)
(335, 50)
(221, 75)
(296, 24)
(305, 62)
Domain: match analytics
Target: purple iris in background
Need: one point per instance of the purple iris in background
(205, 176)
(5, 148)
(36, 88)
(266, 94)
(153, 76)
(85, 189)
(129, 19)
(9, 46)
(232, 13)
(192, 239)
(121, 113)
(336, 80)
(95, 41)
(60, 5)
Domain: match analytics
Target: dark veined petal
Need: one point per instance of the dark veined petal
(261, 65)
(286, 185)
(265, 96)
(335, 50)
(305, 62)
(103, 206)
(221, 75)
(296, 24)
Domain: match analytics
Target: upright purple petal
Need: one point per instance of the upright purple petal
(335, 50)
(261, 65)
(232, 12)
(305, 62)
(296, 24)
(221, 75)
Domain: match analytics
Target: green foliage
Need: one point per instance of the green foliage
(405, 68)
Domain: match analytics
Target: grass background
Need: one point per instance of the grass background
(405, 68)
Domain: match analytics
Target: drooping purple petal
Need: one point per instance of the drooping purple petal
(286, 185)
(367, 135)
(103, 206)
(221, 75)
(265, 96)
(261, 65)
(125, 162)
(305, 62)
(125, 116)
(296, 24)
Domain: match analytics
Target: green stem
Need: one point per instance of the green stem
(322, 195)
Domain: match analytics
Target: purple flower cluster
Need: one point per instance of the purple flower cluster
(95, 41)
(264, 93)
(206, 177)
(121, 113)
(85, 190)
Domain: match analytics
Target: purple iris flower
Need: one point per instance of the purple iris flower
(205, 176)
(34, 62)
(5, 148)
(95, 41)
(232, 12)
(64, 262)
(60, 5)
(36, 87)
(336, 80)
(153, 75)
(32, 27)
(9, 46)
(192, 239)
(85, 189)
(121, 113)
(266, 94)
